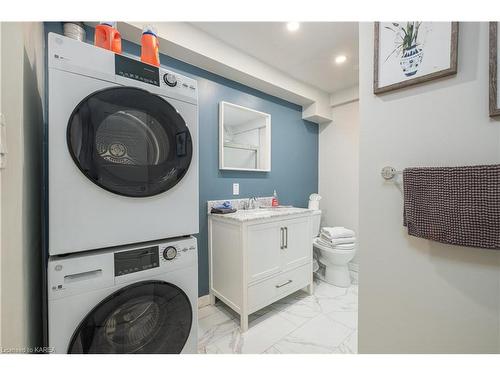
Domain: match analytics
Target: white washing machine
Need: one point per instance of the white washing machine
(122, 149)
(140, 299)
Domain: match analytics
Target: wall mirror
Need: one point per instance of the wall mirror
(244, 138)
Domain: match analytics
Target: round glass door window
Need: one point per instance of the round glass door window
(145, 318)
(129, 141)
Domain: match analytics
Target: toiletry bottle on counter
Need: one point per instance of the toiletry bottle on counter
(275, 202)
(108, 37)
(150, 46)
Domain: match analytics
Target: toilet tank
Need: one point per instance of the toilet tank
(316, 223)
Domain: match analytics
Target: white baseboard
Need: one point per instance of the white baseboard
(203, 301)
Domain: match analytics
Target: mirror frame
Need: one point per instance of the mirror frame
(221, 138)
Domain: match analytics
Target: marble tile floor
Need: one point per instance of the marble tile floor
(326, 322)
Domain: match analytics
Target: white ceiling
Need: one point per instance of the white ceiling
(306, 55)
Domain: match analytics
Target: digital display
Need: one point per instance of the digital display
(133, 69)
(136, 260)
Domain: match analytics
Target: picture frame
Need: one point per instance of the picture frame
(413, 53)
(494, 103)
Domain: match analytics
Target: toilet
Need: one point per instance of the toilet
(333, 263)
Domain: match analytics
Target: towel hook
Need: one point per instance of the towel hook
(388, 173)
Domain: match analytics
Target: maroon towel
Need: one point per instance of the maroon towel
(454, 205)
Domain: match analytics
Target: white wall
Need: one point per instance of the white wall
(22, 98)
(417, 295)
(338, 167)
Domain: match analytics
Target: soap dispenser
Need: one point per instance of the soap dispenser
(275, 202)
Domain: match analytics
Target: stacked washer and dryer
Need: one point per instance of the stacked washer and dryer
(122, 273)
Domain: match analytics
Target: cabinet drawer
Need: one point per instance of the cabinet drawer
(279, 286)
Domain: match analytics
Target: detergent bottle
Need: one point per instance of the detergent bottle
(108, 37)
(150, 46)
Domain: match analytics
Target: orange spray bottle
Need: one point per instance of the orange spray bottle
(150, 46)
(108, 37)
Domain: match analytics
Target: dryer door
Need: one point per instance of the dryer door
(146, 317)
(129, 141)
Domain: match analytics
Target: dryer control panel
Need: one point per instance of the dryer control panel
(133, 69)
(166, 81)
(85, 59)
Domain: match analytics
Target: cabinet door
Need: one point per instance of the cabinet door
(263, 251)
(298, 247)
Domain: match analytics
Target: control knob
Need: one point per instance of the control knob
(170, 79)
(169, 253)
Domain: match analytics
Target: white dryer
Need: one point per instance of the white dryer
(122, 149)
(140, 299)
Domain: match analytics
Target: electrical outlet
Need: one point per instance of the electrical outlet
(236, 189)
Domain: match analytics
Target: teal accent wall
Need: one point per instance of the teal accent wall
(294, 142)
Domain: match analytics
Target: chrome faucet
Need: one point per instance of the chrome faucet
(253, 203)
(250, 203)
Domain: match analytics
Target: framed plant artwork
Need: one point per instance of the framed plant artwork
(409, 53)
(494, 71)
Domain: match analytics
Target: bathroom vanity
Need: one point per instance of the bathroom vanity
(259, 256)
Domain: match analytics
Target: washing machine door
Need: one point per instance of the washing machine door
(129, 141)
(145, 317)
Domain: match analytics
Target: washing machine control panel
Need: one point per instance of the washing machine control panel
(136, 260)
(164, 255)
(79, 273)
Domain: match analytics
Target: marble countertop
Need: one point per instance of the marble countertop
(264, 213)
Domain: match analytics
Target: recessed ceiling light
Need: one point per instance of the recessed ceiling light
(293, 26)
(341, 59)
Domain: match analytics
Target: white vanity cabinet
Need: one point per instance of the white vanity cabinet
(255, 261)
